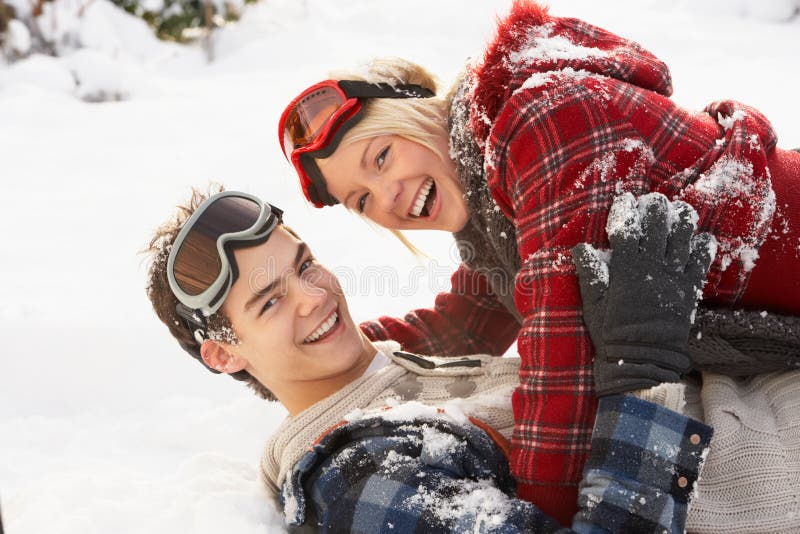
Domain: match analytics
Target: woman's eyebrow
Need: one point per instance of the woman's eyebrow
(363, 165)
(364, 154)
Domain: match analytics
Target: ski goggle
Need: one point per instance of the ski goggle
(313, 124)
(200, 267)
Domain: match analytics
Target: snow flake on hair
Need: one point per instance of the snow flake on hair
(222, 333)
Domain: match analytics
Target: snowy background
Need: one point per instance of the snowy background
(105, 425)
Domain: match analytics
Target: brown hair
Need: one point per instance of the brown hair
(164, 301)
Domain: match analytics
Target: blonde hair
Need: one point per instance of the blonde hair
(420, 120)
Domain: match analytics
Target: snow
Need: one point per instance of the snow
(627, 212)
(98, 78)
(394, 461)
(411, 410)
(18, 38)
(748, 257)
(624, 220)
(542, 78)
(728, 121)
(680, 209)
(599, 260)
(480, 498)
(437, 444)
(732, 180)
(542, 46)
(223, 333)
(724, 179)
(106, 425)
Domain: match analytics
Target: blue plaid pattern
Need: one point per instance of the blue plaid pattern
(433, 475)
(642, 468)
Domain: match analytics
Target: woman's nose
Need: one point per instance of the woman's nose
(388, 193)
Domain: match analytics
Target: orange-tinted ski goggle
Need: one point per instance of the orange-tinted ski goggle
(201, 267)
(313, 124)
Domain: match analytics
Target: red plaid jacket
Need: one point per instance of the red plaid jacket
(468, 319)
(569, 116)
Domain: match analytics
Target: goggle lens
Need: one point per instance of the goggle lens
(197, 263)
(309, 115)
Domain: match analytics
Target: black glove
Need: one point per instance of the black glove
(639, 308)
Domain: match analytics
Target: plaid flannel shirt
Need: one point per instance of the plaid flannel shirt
(570, 115)
(436, 475)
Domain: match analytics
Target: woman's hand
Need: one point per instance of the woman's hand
(639, 304)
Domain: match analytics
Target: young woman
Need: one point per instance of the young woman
(521, 162)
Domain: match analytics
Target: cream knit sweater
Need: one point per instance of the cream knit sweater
(483, 392)
(750, 482)
(751, 479)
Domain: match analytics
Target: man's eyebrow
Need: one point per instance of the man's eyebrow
(302, 248)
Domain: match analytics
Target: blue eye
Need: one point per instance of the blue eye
(306, 265)
(268, 304)
(380, 159)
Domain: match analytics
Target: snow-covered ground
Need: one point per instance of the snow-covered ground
(105, 425)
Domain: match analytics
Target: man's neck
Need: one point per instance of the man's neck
(307, 394)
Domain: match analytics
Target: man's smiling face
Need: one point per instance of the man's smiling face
(292, 321)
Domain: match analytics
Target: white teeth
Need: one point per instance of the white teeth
(323, 328)
(421, 198)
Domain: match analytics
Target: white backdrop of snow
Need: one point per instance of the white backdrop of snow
(106, 426)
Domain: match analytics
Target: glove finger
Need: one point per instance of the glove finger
(624, 226)
(703, 251)
(593, 281)
(654, 224)
(592, 271)
(678, 241)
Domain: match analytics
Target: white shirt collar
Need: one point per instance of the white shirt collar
(379, 361)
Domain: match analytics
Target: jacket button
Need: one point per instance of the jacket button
(682, 482)
(695, 439)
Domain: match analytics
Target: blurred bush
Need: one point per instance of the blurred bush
(52, 27)
(184, 20)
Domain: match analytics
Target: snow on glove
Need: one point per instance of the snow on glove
(639, 307)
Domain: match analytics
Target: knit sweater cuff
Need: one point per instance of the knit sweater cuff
(669, 395)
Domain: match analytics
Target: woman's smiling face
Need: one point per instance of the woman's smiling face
(398, 183)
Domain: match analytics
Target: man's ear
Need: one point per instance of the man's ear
(216, 356)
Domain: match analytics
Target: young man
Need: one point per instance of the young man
(380, 440)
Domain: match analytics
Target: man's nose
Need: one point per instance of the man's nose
(308, 295)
